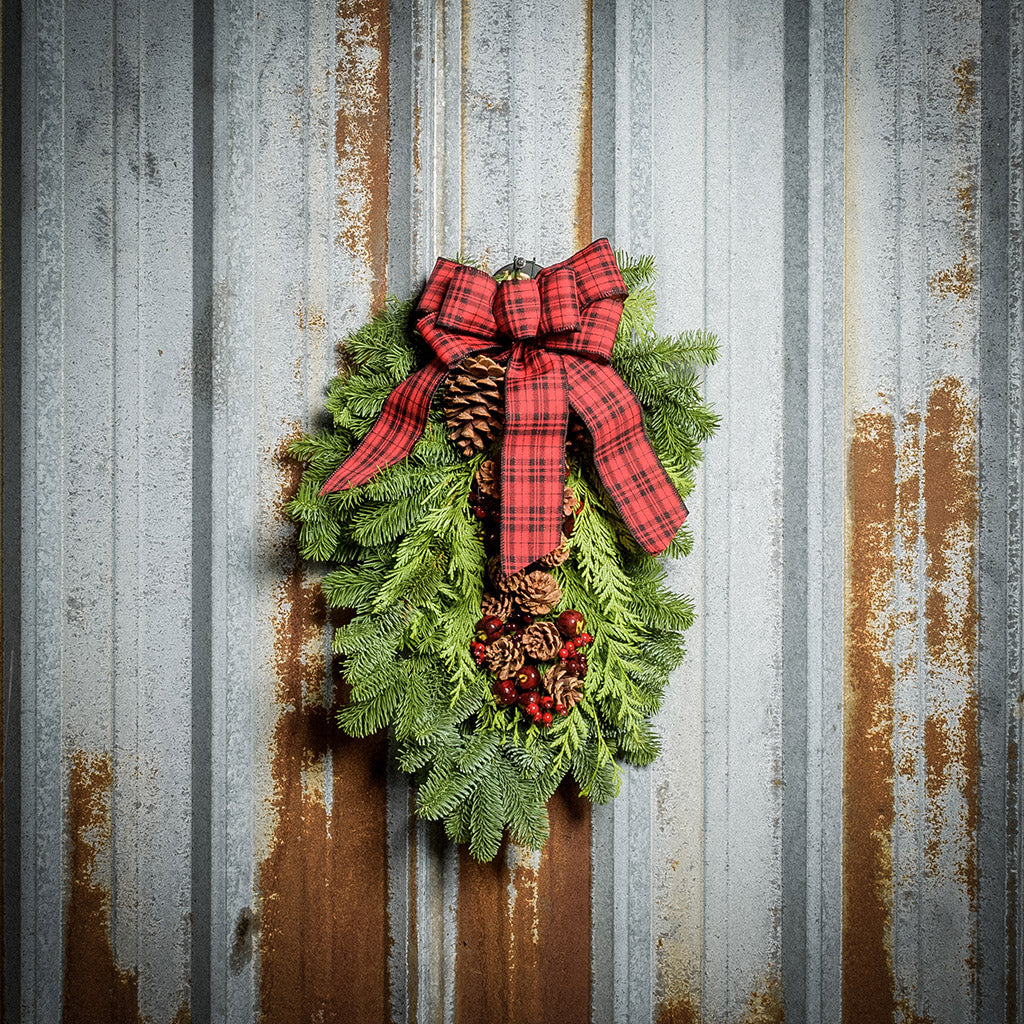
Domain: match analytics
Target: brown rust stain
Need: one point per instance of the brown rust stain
(868, 814)
(523, 943)
(324, 935)
(362, 137)
(951, 623)
(96, 990)
(965, 79)
(584, 183)
(957, 280)
(765, 1004)
(679, 1010)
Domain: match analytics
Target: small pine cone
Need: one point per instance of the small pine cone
(569, 502)
(505, 584)
(536, 592)
(556, 557)
(505, 657)
(563, 685)
(542, 641)
(500, 605)
(474, 404)
(577, 438)
(488, 478)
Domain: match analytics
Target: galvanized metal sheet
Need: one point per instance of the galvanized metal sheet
(833, 828)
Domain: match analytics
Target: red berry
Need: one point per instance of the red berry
(566, 652)
(527, 701)
(570, 623)
(527, 619)
(479, 512)
(489, 628)
(577, 666)
(547, 718)
(584, 638)
(528, 678)
(547, 703)
(568, 525)
(561, 709)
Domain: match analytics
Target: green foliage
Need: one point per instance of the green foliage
(404, 556)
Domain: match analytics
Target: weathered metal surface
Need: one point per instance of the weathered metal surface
(833, 829)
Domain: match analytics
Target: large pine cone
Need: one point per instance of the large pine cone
(542, 641)
(563, 685)
(500, 605)
(474, 404)
(488, 478)
(505, 657)
(536, 592)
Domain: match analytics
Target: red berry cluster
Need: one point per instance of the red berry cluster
(521, 691)
(570, 625)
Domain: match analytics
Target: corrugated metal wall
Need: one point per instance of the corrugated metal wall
(201, 200)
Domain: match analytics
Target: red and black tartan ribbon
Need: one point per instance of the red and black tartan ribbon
(557, 332)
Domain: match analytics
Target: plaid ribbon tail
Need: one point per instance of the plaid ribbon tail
(630, 471)
(533, 456)
(398, 428)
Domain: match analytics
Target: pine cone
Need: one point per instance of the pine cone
(542, 641)
(536, 592)
(563, 685)
(577, 438)
(504, 584)
(505, 657)
(569, 502)
(488, 478)
(556, 557)
(500, 605)
(474, 403)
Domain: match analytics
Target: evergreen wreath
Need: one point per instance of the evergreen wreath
(498, 686)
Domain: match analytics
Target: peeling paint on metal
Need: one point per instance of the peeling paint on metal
(324, 935)
(524, 927)
(362, 137)
(867, 975)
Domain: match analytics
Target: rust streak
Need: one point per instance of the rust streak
(868, 814)
(96, 990)
(524, 933)
(362, 134)
(584, 184)
(765, 1004)
(324, 934)
(951, 627)
(679, 1010)
(957, 280)
(966, 81)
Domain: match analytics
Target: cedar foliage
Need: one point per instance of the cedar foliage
(405, 555)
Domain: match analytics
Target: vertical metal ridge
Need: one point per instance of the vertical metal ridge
(42, 910)
(11, 434)
(999, 683)
(202, 944)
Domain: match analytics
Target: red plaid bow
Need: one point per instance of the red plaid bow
(558, 331)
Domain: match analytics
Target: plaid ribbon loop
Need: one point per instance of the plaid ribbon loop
(557, 333)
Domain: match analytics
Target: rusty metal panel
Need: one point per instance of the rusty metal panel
(213, 197)
(106, 475)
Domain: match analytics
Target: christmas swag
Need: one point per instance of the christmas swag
(496, 547)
